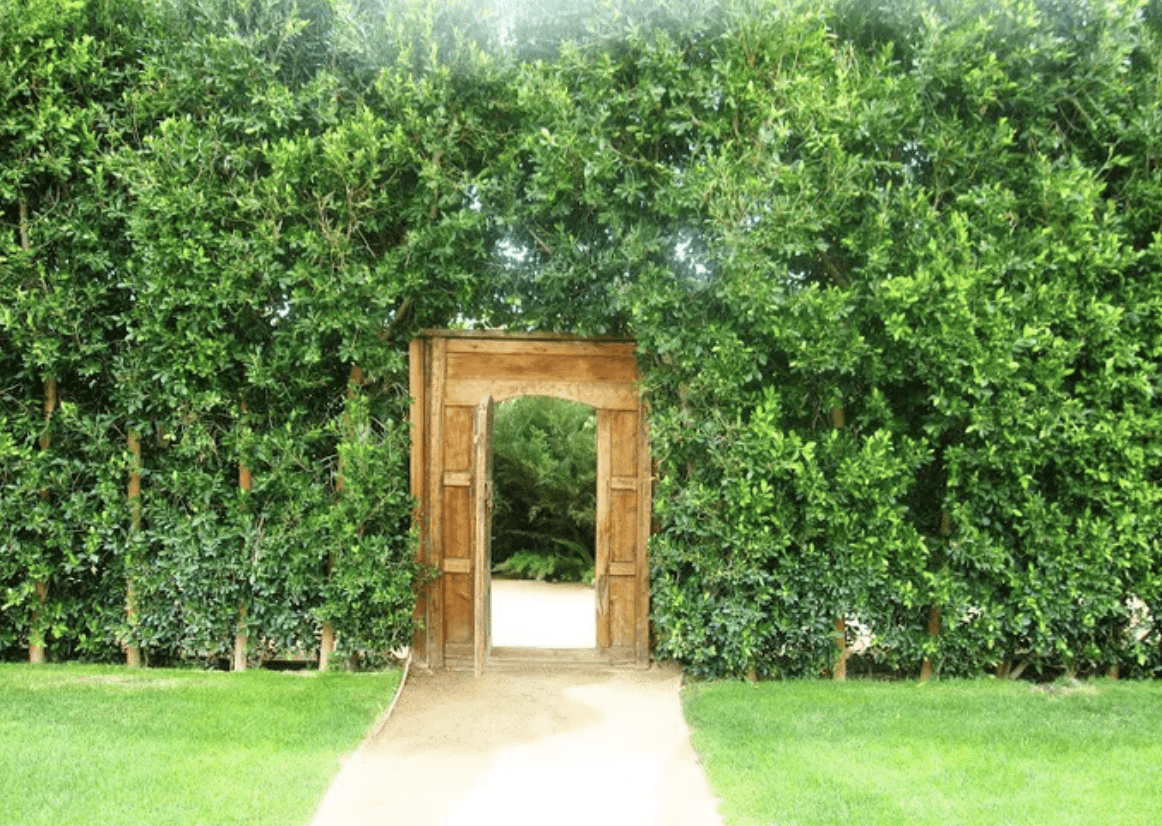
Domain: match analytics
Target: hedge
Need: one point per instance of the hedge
(893, 274)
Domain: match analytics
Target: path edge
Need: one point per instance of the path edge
(378, 725)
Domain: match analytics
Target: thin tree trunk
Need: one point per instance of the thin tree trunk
(934, 612)
(36, 650)
(25, 240)
(327, 634)
(326, 645)
(36, 645)
(241, 638)
(934, 620)
(132, 649)
(839, 672)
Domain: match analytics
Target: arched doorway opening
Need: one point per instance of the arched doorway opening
(455, 380)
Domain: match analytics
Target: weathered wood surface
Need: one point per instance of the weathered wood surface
(645, 500)
(619, 551)
(541, 367)
(450, 375)
(608, 395)
(416, 413)
(459, 584)
(436, 363)
(482, 530)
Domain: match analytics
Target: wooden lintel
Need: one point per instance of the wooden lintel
(602, 395)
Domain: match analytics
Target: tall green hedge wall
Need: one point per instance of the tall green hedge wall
(895, 275)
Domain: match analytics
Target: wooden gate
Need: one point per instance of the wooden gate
(455, 377)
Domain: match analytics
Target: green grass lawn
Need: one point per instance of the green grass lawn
(974, 753)
(108, 746)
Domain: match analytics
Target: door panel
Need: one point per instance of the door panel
(623, 526)
(482, 529)
(618, 493)
(457, 522)
(623, 443)
(457, 607)
(621, 610)
(456, 527)
(458, 436)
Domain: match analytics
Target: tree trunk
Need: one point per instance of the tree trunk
(241, 638)
(839, 672)
(327, 635)
(933, 631)
(934, 613)
(132, 649)
(326, 645)
(36, 646)
(36, 650)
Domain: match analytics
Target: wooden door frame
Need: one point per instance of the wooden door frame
(601, 373)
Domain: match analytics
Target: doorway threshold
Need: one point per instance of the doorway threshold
(503, 657)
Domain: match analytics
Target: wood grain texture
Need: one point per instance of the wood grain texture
(623, 436)
(538, 345)
(457, 522)
(603, 529)
(457, 438)
(457, 478)
(622, 595)
(417, 414)
(482, 529)
(457, 515)
(623, 525)
(458, 608)
(541, 367)
(437, 591)
(644, 523)
(607, 395)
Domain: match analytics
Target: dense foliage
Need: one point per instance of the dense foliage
(544, 470)
(894, 274)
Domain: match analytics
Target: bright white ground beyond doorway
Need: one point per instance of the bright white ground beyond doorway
(529, 614)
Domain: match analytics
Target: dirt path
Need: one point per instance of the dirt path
(528, 746)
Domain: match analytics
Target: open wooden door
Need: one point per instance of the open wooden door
(482, 501)
(622, 581)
